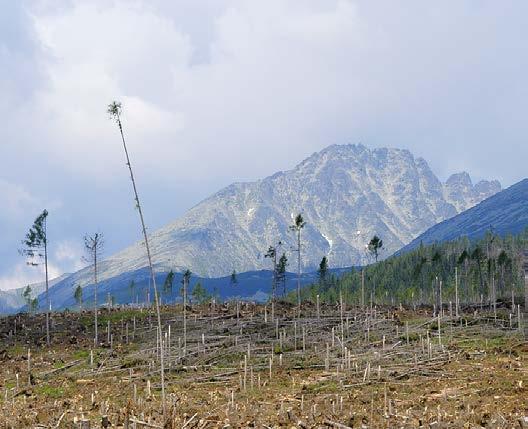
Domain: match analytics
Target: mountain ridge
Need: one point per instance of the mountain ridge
(506, 212)
(340, 190)
(346, 193)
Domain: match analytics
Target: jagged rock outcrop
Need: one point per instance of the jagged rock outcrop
(341, 190)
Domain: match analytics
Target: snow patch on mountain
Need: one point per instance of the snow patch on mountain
(339, 191)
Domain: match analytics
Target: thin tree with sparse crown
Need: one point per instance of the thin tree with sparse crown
(27, 297)
(233, 281)
(93, 246)
(323, 271)
(115, 109)
(281, 271)
(78, 296)
(36, 249)
(185, 282)
(272, 254)
(167, 284)
(297, 227)
(374, 247)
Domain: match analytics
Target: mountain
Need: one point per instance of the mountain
(460, 192)
(340, 190)
(12, 300)
(505, 212)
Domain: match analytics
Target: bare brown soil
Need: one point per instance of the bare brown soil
(379, 368)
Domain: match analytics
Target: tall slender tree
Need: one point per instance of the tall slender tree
(478, 257)
(78, 296)
(185, 282)
(93, 246)
(463, 262)
(27, 297)
(233, 280)
(281, 271)
(199, 294)
(374, 246)
(323, 271)
(502, 261)
(36, 250)
(132, 288)
(297, 227)
(436, 263)
(272, 254)
(167, 284)
(418, 273)
(115, 109)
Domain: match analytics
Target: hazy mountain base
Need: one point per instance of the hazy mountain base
(250, 286)
(505, 213)
(13, 300)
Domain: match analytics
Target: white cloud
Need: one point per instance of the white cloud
(219, 91)
(15, 200)
(21, 275)
(65, 257)
(70, 256)
(278, 78)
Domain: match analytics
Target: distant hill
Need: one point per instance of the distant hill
(12, 300)
(505, 212)
(252, 285)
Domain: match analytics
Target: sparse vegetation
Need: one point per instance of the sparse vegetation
(385, 366)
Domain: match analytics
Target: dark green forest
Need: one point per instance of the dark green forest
(486, 271)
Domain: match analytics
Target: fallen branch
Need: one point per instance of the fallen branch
(150, 425)
(336, 425)
(189, 421)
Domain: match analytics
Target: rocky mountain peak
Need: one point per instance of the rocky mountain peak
(462, 194)
(340, 190)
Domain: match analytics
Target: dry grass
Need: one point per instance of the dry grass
(384, 368)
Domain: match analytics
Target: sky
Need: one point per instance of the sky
(217, 91)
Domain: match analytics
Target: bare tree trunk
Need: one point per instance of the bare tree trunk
(149, 257)
(437, 295)
(47, 284)
(526, 291)
(96, 338)
(299, 272)
(184, 316)
(456, 293)
(362, 288)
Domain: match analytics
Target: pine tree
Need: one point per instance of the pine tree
(36, 249)
(199, 293)
(233, 279)
(436, 261)
(323, 271)
(374, 246)
(478, 257)
(27, 297)
(281, 271)
(297, 227)
(78, 295)
(502, 262)
(272, 254)
(167, 284)
(132, 288)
